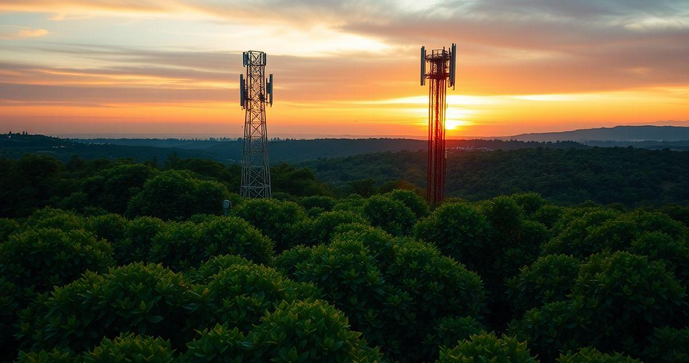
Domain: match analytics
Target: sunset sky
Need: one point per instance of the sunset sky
(342, 67)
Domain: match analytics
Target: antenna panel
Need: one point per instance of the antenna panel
(272, 89)
(453, 65)
(244, 57)
(242, 95)
(423, 66)
(265, 58)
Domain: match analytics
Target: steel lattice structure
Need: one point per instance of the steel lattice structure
(441, 74)
(255, 92)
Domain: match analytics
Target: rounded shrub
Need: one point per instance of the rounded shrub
(412, 200)
(452, 329)
(132, 348)
(487, 348)
(146, 299)
(111, 227)
(668, 345)
(548, 279)
(50, 218)
(592, 355)
(317, 201)
(53, 356)
(530, 203)
(138, 240)
(553, 328)
(175, 195)
(309, 332)
(321, 229)
(273, 218)
(624, 306)
(459, 231)
(45, 258)
(216, 264)
(7, 227)
(391, 291)
(241, 294)
(219, 344)
(389, 214)
(571, 233)
(185, 245)
(658, 246)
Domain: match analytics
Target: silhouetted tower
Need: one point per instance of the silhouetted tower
(254, 93)
(442, 64)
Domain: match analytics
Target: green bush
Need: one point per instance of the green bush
(50, 218)
(391, 291)
(572, 231)
(453, 329)
(218, 344)
(607, 230)
(659, 246)
(487, 348)
(308, 332)
(549, 215)
(553, 328)
(45, 258)
(323, 227)
(530, 203)
(241, 294)
(459, 230)
(53, 356)
(7, 227)
(138, 240)
(626, 295)
(548, 279)
(146, 299)
(592, 355)
(111, 227)
(273, 218)
(389, 214)
(184, 245)
(132, 348)
(317, 201)
(216, 264)
(112, 188)
(353, 203)
(9, 305)
(412, 200)
(668, 345)
(174, 195)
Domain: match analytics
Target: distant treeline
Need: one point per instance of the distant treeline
(604, 175)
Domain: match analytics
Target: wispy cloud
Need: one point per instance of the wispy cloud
(15, 32)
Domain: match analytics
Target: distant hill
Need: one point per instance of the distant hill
(617, 133)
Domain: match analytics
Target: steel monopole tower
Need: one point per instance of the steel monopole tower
(440, 75)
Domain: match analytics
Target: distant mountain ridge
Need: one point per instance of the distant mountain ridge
(617, 133)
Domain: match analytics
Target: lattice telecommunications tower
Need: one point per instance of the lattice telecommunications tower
(442, 65)
(254, 92)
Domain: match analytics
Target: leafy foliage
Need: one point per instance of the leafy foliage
(45, 258)
(273, 218)
(184, 245)
(174, 195)
(389, 214)
(487, 348)
(592, 355)
(309, 332)
(548, 279)
(132, 348)
(146, 299)
(668, 345)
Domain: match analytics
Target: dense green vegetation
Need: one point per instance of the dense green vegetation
(114, 260)
(634, 177)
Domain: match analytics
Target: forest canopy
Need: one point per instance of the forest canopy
(116, 260)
